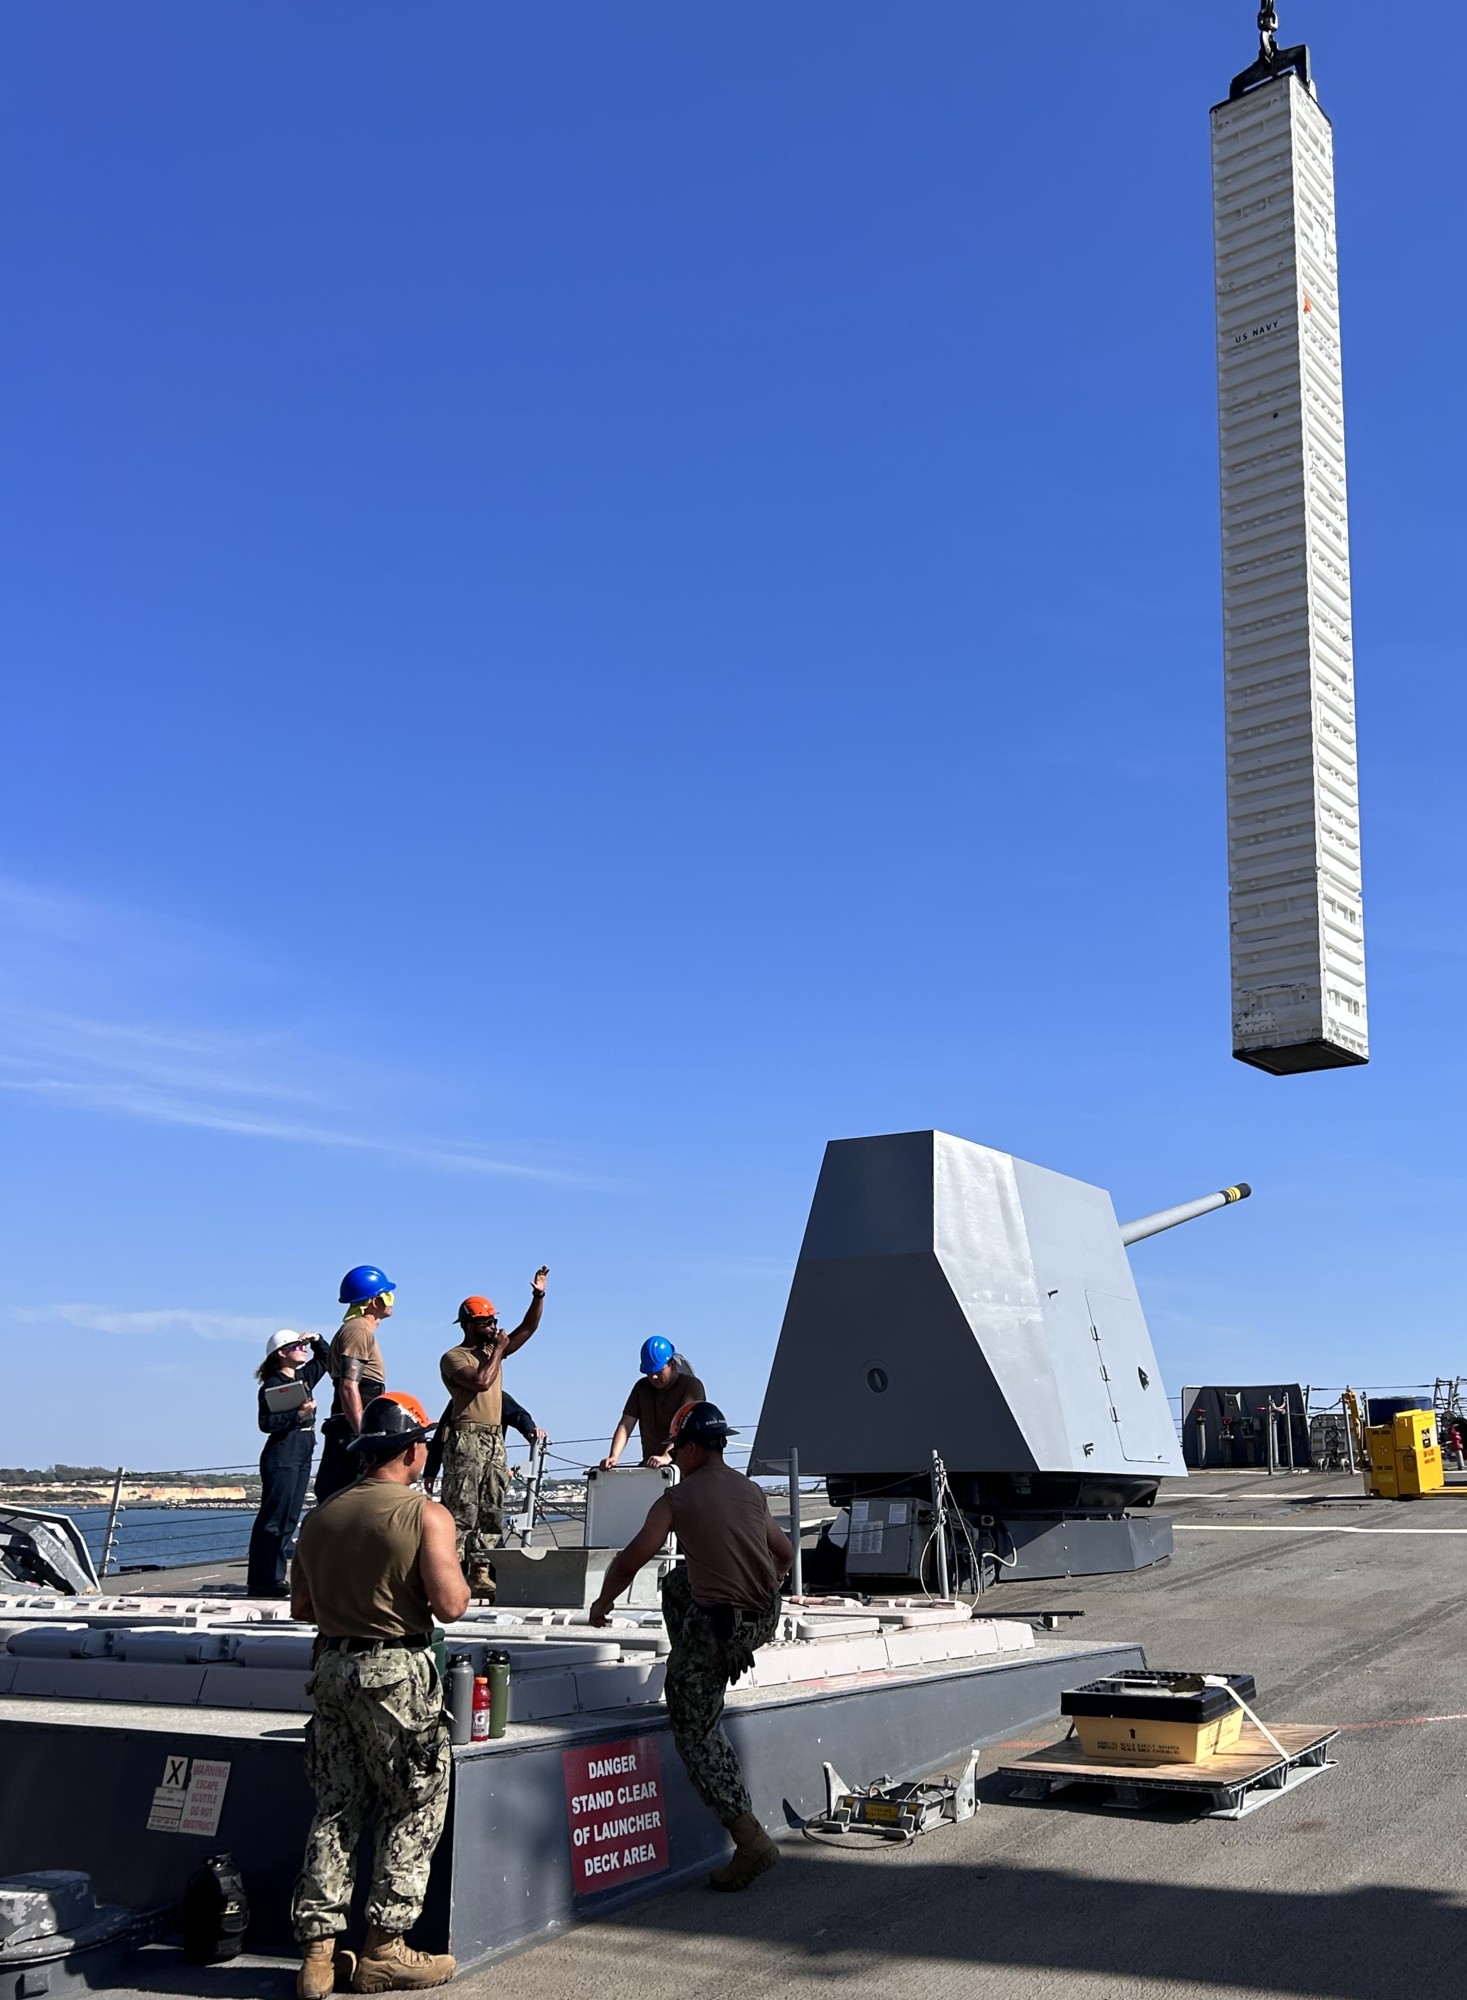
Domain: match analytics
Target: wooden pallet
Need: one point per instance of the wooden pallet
(1237, 1781)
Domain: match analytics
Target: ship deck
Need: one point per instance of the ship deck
(1348, 1611)
(1334, 1892)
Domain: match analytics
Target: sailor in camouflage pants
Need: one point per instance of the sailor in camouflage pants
(474, 1482)
(700, 1666)
(378, 1740)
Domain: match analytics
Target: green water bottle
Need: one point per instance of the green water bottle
(498, 1663)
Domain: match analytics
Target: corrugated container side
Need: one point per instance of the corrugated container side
(1298, 965)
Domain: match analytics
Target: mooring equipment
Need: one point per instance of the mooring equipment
(889, 1809)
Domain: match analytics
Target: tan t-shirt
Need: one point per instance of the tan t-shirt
(358, 1554)
(482, 1406)
(356, 1340)
(652, 1406)
(721, 1520)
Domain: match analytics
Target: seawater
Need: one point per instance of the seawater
(167, 1537)
(173, 1537)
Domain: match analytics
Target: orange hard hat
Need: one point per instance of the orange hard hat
(476, 1308)
(410, 1403)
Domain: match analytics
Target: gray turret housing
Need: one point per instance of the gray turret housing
(952, 1299)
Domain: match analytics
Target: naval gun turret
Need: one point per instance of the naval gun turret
(964, 1343)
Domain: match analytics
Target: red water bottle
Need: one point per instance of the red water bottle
(479, 1720)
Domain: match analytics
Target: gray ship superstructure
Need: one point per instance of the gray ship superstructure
(952, 1303)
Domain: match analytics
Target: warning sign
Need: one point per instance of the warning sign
(614, 1808)
(191, 1796)
(205, 1797)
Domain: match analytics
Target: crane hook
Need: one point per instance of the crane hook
(1272, 61)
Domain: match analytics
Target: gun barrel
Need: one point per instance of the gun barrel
(1168, 1218)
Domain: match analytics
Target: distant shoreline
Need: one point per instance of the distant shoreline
(181, 1498)
(59, 1498)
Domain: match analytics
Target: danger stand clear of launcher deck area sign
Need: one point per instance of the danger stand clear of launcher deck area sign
(615, 1813)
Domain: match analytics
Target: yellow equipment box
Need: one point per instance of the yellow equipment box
(1405, 1460)
(1157, 1716)
(1112, 1741)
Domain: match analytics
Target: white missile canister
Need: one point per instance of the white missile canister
(1297, 943)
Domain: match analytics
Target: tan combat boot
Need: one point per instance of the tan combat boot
(317, 1975)
(387, 1965)
(325, 1965)
(481, 1582)
(753, 1852)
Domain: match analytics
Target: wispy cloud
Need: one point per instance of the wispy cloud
(252, 1084)
(117, 942)
(134, 1100)
(33, 1043)
(173, 1321)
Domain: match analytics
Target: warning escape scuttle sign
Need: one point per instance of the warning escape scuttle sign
(614, 1809)
(190, 1797)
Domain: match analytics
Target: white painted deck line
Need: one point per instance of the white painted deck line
(1297, 1528)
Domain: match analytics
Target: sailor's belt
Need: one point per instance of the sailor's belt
(413, 1639)
(463, 1424)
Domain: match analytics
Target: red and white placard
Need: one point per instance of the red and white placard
(615, 1813)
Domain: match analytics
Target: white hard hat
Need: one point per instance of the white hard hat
(285, 1338)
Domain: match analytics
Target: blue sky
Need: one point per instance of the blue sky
(597, 596)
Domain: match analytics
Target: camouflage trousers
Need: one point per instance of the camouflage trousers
(472, 1487)
(699, 1668)
(377, 1743)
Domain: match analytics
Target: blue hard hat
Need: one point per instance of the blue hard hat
(656, 1353)
(364, 1282)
